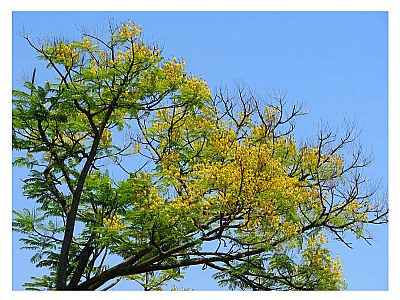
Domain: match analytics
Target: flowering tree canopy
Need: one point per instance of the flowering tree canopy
(132, 157)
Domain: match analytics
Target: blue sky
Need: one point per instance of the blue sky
(334, 63)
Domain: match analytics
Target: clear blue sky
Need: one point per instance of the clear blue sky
(335, 63)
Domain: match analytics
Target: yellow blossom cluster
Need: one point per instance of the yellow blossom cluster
(122, 56)
(87, 42)
(98, 65)
(170, 164)
(139, 53)
(251, 178)
(63, 53)
(320, 260)
(314, 158)
(271, 113)
(172, 72)
(224, 142)
(113, 223)
(106, 137)
(129, 30)
(168, 76)
(72, 138)
(197, 87)
(149, 199)
(230, 176)
(316, 270)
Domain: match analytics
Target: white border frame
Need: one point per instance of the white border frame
(8, 7)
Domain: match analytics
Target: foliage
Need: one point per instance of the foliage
(218, 181)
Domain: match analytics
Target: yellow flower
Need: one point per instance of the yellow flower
(114, 223)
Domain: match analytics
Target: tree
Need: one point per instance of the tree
(218, 181)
